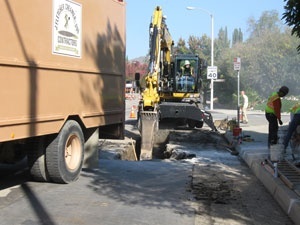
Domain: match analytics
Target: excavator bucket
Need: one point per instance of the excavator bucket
(148, 127)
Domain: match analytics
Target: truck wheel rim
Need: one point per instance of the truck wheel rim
(73, 152)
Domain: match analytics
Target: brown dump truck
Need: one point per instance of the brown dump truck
(62, 78)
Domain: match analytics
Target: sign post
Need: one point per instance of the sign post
(212, 74)
(237, 67)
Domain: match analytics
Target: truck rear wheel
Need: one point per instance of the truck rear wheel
(36, 160)
(64, 155)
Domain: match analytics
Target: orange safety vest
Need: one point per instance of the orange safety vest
(270, 103)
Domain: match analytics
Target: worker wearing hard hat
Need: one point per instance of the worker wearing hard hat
(186, 81)
(295, 111)
(273, 113)
(187, 70)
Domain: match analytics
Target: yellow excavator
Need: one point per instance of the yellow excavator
(173, 87)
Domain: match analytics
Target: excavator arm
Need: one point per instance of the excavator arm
(160, 58)
(160, 42)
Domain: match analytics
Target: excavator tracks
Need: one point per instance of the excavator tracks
(289, 174)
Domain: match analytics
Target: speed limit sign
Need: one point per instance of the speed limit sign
(212, 72)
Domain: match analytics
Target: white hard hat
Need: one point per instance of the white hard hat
(186, 62)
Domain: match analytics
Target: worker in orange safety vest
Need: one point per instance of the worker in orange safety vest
(273, 114)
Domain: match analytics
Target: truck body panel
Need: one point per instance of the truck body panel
(40, 87)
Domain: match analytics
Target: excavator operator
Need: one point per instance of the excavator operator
(187, 69)
(186, 81)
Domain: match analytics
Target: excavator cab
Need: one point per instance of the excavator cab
(187, 70)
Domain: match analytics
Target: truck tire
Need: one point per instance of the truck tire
(36, 160)
(64, 155)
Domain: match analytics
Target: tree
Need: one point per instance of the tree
(201, 46)
(269, 60)
(268, 56)
(292, 17)
(194, 44)
(222, 44)
(223, 41)
(240, 36)
(181, 47)
(135, 66)
(269, 21)
(237, 36)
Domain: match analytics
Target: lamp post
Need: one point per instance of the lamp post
(212, 51)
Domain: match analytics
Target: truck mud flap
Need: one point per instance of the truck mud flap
(148, 128)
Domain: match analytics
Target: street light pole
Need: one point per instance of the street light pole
(212, 64)
(212, 51)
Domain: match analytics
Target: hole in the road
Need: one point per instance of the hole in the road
(168, 142)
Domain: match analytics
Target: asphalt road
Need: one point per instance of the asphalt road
(119, 192)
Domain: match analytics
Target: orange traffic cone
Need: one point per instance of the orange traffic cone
(132, 113)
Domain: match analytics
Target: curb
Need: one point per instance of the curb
(288, 200)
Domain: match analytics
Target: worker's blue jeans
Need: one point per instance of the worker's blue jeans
(292, 127)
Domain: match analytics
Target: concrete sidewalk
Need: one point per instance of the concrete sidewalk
(254, 152)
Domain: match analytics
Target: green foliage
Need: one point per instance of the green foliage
(269, 60)
(292, 17)
(237, 36)
(181, 47)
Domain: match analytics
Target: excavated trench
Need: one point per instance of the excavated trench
(166, 140)
(171, 141)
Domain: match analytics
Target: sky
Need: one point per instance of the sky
(183, 23)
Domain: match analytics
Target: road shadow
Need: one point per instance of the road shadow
(150, 184)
